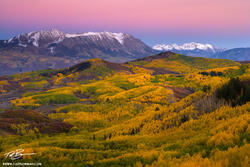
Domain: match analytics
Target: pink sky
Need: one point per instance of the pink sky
(215, 17)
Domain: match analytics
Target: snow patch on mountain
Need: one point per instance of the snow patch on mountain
(118, 36)
(10, 40)
(52, 49)
(34, 39)
(23, 45)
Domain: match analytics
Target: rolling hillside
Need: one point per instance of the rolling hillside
(162, 110)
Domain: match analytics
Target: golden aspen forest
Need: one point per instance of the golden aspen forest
(165, 110)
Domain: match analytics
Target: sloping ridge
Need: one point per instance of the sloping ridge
(94, 62)
(199, 63)
(158, 56)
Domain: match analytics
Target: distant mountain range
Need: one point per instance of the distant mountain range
(190, 49)
(237, 54)
(186, 46)
(206, 50)
(55, 49)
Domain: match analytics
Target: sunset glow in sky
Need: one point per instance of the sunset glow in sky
(225, 23)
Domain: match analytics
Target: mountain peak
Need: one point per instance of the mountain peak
(37, 38)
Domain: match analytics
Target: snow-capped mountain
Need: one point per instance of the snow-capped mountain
(190, 49)
(81, 44)
(56, 49)
(44, 38)
(186, 46)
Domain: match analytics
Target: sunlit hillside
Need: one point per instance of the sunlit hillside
(162, 110)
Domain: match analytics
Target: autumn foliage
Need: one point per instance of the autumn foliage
(164, 110)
